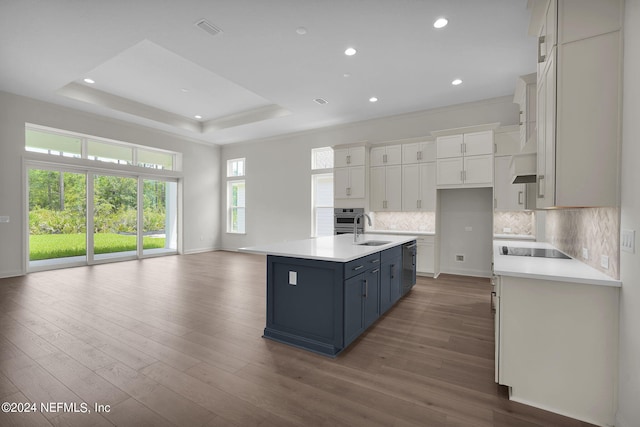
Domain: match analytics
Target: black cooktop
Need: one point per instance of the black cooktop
(534, 252)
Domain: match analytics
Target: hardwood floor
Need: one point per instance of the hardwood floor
(177, 341)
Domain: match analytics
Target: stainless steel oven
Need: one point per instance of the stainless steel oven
(343, 220)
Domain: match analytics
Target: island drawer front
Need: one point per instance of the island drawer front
(361, 265)
(390, 254)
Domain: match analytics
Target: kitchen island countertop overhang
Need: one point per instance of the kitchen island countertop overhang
(340, 248)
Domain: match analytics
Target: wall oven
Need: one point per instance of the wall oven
(343, 220)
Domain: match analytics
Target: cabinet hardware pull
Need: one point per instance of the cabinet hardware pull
(541, 57)
(375, 271)
(384, 158)
(375, 261)
(419, 155)
(348, 191)
(461, 176)
(520, 197)
(393, 270)
(348, 159)
(366, 288)
(358, 267)
(540, 187)
(461, 148)
(412, 246)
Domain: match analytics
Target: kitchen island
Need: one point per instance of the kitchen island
(323, 293)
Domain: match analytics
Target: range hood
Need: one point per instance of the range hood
(524, 164)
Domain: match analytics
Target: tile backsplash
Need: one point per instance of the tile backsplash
(596, 229)
(405, 221)
(522, 223)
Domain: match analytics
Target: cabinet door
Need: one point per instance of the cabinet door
(377, 156)
(340, 157)
(394, 155)
(377, 187)
(393, 188)
(427, 151)
(371, 296)
(353, 308)
(357, 182)
(411, 187)
(449, 171)
(478, 169)
(410, 153)
(356, 156)
(427, 195)
(477, 143)
(547, 133)
(449, 146)
(341, 183)
(425, 256)
(509, 197)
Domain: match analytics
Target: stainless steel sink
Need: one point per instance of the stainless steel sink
(373, 243)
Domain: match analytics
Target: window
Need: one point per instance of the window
(322, 192)
(322, 158)
(236, 191)
(236, 215)
(68, 144)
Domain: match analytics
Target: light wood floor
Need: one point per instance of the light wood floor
(177, 341)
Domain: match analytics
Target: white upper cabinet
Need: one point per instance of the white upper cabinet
(419, 187)
(579, 103)
(465, 160)
(386, 155)
(351, 156)
(508, 196)
(419, 152)
(525, 97)
(386, 188)
(349, 183)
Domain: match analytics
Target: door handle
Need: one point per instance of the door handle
(366, 288)
(541, 57)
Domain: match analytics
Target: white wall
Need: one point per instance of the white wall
(201, 194)
(279, 169)
(629, 377)
(466, 228)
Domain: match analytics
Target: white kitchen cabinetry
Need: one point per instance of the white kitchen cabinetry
(525, 97)
(556, 346)
(350, 156)
(508, 196)
(419, 152)
(349, 183)
(386, 188)
(386, 155)
(465, 160)
(419, 187)
(578, 102)
(425, 255)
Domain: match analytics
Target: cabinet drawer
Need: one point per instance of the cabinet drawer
(361, 265)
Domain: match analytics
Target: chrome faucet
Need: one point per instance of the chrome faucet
(355, 225)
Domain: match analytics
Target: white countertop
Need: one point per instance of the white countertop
(555, 269)
(403, 232)
(330, 248)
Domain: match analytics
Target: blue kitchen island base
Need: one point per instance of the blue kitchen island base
(323, 305)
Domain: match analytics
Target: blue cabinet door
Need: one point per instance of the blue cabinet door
(371, 296)
(390, 283)
(353, 308)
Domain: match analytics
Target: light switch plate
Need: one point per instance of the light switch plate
(604, 262)
(4, 218)
(585, 253)
(293, 278)
(628, 241)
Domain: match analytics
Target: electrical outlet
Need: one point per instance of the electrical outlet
(4, 219)
(506, 230)
(585, 254)
(459, 258)
(604, 262)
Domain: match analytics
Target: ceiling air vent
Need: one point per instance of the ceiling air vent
(208, 27)
(321, 101)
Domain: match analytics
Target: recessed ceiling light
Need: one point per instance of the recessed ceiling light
(373, 99)
(198, 116)
(440, 23)
(90, 81)
(321, 101)
(346, 75)
(184, 90)
(456, 82)
(301, 30)
(350, 51)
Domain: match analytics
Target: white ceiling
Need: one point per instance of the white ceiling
(259, 77)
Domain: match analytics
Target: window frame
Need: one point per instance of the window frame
(231, 207)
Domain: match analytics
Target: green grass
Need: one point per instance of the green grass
(48, 246)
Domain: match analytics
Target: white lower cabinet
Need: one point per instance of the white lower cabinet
(556, 346)
(425, 255)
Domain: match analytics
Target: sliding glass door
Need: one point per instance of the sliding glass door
(115, 217)
(63, 205)
(57, 217)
